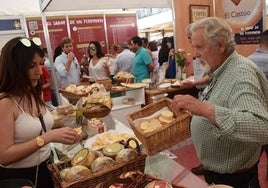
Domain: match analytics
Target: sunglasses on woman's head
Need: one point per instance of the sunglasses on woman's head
(27, 42)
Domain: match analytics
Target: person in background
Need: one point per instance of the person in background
(260, 55)
(47, 62)
(24, 140)
(98, 68)
(84, 68)
(46, 84)
(57, 52)
(144, 42)
(66, 64)
(230, 125)
(154, 75)
(152, 46)
(142, 64)
(125, 59)
(112, 59)
(171, 70)
(260, 58)
(145, 45)
(54, 99)
(163, 52)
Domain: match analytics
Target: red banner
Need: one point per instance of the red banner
(121, 27)
(56, 25)
(85, 29)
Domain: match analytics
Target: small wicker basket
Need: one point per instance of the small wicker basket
(123, 80)
(72, 96)
(95, 179)
(98, 112)
(166, 136)
(107, 83)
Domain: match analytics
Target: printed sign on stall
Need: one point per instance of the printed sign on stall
(121, 28)
(56, 25)
(244, 16)
(86, 28)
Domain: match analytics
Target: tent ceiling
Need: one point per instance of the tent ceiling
(31, 7)
(71, 5)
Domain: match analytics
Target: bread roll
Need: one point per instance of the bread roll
(166, 116)
(144, 125)
(126, 155)
(76, 173)
(102, 163)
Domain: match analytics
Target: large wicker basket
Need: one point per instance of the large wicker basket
(168, 135)
(95, 179)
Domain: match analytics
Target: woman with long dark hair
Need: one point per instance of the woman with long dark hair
(98, 64)
(25, 126)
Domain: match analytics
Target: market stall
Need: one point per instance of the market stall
(162, 165)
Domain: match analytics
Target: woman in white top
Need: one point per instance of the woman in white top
(24, 140)
(98, 68)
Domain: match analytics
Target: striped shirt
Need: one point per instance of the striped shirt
(239, 91)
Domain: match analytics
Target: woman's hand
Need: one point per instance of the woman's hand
(65, 135)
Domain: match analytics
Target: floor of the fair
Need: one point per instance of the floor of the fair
(187, 157)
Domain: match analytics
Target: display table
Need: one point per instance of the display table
(166, 168)
(159, 165)
(120, 108)
(170, 91)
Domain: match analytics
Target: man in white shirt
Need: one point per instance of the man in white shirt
(66, 64)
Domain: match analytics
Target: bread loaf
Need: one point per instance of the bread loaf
(126, 155)
(102, 163)
(77, 173)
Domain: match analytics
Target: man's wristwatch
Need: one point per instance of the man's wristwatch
(40, 141)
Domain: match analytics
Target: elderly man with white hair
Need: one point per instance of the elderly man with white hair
(230, 125)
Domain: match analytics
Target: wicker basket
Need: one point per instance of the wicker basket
(124, 80)
(97, 112)
(72, 96)
(107, 83)
(95, 179)
(168, 135)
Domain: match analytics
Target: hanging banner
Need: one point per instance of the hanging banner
(244, 16)
(121, 27)
(57, 28)
(86, 28)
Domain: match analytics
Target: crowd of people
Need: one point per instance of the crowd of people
(229, 126)
(137, 56)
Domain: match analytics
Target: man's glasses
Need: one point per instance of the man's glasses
(27, 42)
(91, 48)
